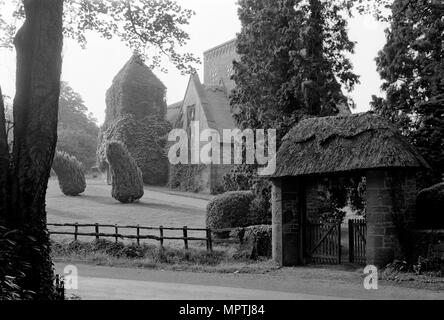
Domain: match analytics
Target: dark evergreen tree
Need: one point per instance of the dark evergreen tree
(293, 62)
(412, 67)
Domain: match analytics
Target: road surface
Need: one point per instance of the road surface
(107, 283)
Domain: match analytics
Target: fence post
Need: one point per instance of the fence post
(117, 233)
(351, 242)
(97, 231)
(76, 230)
(209, 241)
(138, 235)
(161, 236)
(185, 236)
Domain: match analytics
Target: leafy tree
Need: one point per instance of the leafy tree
(293, 62)
(141, 24)
(412, 67)
(77, 129)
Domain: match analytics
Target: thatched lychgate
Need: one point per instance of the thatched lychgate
(363, 144)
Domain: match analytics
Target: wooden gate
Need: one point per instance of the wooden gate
(357, 235)
(323, 243)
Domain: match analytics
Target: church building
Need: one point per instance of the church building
(208, 103)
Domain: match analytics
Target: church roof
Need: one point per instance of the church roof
(215, 104)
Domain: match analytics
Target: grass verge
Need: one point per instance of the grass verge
(230, 259)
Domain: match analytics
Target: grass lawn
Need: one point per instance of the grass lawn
(158, 207)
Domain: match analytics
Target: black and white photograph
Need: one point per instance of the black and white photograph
(221, 157)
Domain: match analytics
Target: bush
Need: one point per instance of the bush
(229, 210)
(260, 208)
(12, 265)
(127, 183)
(70, 174)
(429, 207)
(239, 178)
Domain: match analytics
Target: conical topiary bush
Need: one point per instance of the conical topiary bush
(69, 173)
(127, 183)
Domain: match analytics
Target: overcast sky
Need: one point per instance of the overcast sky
(90, 72)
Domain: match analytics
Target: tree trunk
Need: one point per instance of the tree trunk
(39, 45)
(4, 161)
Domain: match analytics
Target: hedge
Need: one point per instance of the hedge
(70, 174)
(229, 210)
(429, 207)
(127, 183)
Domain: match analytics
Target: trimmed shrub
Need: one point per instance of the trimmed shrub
(127, 183)
(429, 207)
(229, 210)
(70, 174)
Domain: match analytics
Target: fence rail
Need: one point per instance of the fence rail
(138, 236)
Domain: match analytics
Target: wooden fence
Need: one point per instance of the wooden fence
(138, 236)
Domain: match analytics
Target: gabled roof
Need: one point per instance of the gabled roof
(215, 104)
(344, 143)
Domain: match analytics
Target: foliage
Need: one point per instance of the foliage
(70, 174)
(145, 140)
(184, 177)
(412, 67)
(293, 62)
(76, 129)
(260, 207)
(239, 178)
(244, 177)
(229, 210)
(152, 28)
(12, 266)
(429, 207)
(339, 192)
(155, 254)
(127, 184)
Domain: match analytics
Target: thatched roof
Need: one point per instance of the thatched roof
(344, 143)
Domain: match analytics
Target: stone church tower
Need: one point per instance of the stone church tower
(218, 65)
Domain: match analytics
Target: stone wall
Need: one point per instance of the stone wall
(390, 210)
(286, 219)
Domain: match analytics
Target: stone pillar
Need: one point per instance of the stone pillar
(276, 220)
(382, 210)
